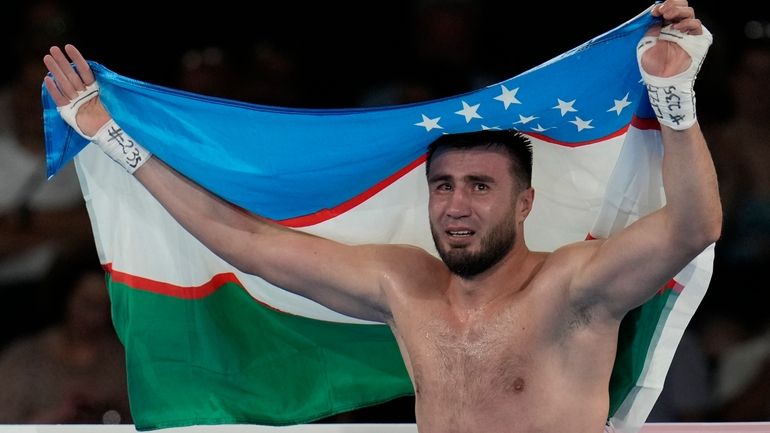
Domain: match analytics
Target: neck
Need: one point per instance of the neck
(506, 277)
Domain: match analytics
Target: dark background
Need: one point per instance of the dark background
(341, 48)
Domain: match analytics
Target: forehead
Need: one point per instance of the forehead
(481, 160)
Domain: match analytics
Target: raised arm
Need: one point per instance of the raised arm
(627, 269)
(348, 279)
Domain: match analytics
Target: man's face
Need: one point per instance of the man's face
(472, 208)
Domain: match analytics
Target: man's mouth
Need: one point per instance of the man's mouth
(460, 233)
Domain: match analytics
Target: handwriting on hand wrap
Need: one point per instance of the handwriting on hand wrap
(666, 97)
(130, 150)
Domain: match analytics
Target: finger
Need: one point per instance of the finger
(678, 13)
(61, 80)
(58, 75)
(691, 26)
(66, 66)
(55, 93)
(656, 10)
(659, 8)
(80, 62)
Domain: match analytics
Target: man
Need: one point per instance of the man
(495, 337)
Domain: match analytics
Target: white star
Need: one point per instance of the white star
(525, 119)
(564, 107)
(485, 127)
(429, 123)
(469, 111)
(539, 128)
(582, 124)
(620, 105)
(508, 97)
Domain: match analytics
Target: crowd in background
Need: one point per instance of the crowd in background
(60, 360)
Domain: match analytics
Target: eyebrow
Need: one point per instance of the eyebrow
(480, 178)
(439, 178)
(469, 178)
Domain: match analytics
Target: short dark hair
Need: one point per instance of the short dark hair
(514, 143)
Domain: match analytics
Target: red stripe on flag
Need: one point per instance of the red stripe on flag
(161, 288)
(327, 214)
(636, 122)
(672, 285)
(547, 139)
(180, 292)
(645, 124)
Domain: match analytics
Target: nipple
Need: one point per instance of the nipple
(518, 384)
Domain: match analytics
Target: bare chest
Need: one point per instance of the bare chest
(503, 369)
(473, 362)
(496, 371)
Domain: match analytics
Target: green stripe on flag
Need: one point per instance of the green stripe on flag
(637, 330)
(226, 358)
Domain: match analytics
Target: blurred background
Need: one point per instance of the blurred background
(59, 359)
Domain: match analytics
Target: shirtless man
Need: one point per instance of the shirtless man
(496, 338)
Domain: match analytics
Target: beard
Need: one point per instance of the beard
(494, 246)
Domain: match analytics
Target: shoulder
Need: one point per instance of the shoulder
(572, 257)
(408, 268)
(402, 258)
(562, 268)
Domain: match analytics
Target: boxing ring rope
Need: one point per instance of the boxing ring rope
(752, 427)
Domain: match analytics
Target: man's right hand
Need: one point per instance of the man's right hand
(67, 85)
(76, 93)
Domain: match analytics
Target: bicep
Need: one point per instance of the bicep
(627, 269)
(344, 278)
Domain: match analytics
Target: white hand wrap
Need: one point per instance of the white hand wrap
(673, 98)
(118, 145)
(69, 112)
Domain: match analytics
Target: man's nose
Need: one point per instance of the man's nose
(459, 204)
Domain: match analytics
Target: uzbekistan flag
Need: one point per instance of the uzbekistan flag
(207, 344)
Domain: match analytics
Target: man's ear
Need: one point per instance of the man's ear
(524, 203)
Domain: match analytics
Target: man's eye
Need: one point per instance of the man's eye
(444, 187)
(482, 186)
